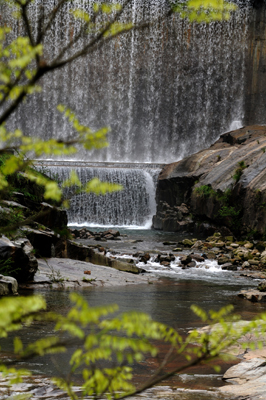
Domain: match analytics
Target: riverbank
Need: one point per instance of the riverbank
(66, 273)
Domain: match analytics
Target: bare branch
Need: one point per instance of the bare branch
(51, 19)
(25, 19)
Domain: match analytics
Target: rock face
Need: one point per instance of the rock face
(17, 258)
(224, 185)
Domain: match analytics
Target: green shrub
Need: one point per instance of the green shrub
(205, 191)
(239, 171)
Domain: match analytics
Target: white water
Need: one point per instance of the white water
(133, 207)
(166, 91)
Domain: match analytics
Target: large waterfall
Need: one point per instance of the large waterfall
(166, 91)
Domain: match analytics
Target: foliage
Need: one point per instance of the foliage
(107, 351)
(204, 191)
(205, 11)
(238, 172)
(6, 267)
(228, 211)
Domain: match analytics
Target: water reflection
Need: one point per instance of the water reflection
(169, 302)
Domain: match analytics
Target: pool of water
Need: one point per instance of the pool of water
(167, 301)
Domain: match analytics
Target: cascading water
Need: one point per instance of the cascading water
(133, 206)
(166, 91)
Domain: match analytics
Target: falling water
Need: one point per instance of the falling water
(166, 91)
(133, 206)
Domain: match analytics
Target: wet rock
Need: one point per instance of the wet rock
(197, 244)
(144, 258)
(229, 267)
(220, 244)
(185, 260)
(248, 245)
(211, 255)
(192, 264)
(253, 295)
(254, 275)
(8, 285)
(165, 263)
(197, 257)
(20, 261)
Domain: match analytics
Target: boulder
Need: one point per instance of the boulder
(43, 241)
(8, 285)
(185, 260)
(249, 378)
(229, 267)
(51, 216)
(17, 259)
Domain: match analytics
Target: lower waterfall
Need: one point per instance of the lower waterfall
(133, 207)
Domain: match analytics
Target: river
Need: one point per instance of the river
(168, 301)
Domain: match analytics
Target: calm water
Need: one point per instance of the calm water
(169, 302)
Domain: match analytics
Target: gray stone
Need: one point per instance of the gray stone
(253, 295)
(8, 285)
(249, 378)
(18, 256)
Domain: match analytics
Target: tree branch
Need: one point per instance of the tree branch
(25, 19)
(51, 19)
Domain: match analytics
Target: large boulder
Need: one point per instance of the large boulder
(223, 185)
(43, 241)
(17, 259)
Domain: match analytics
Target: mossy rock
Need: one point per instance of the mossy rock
(262, 287)
(187, 242)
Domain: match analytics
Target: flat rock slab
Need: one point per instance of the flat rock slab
(254, 274)
(251, 378)
(70, 273)
(253, 295)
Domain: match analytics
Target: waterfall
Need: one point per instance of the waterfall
(134, 206)
(166, 91)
